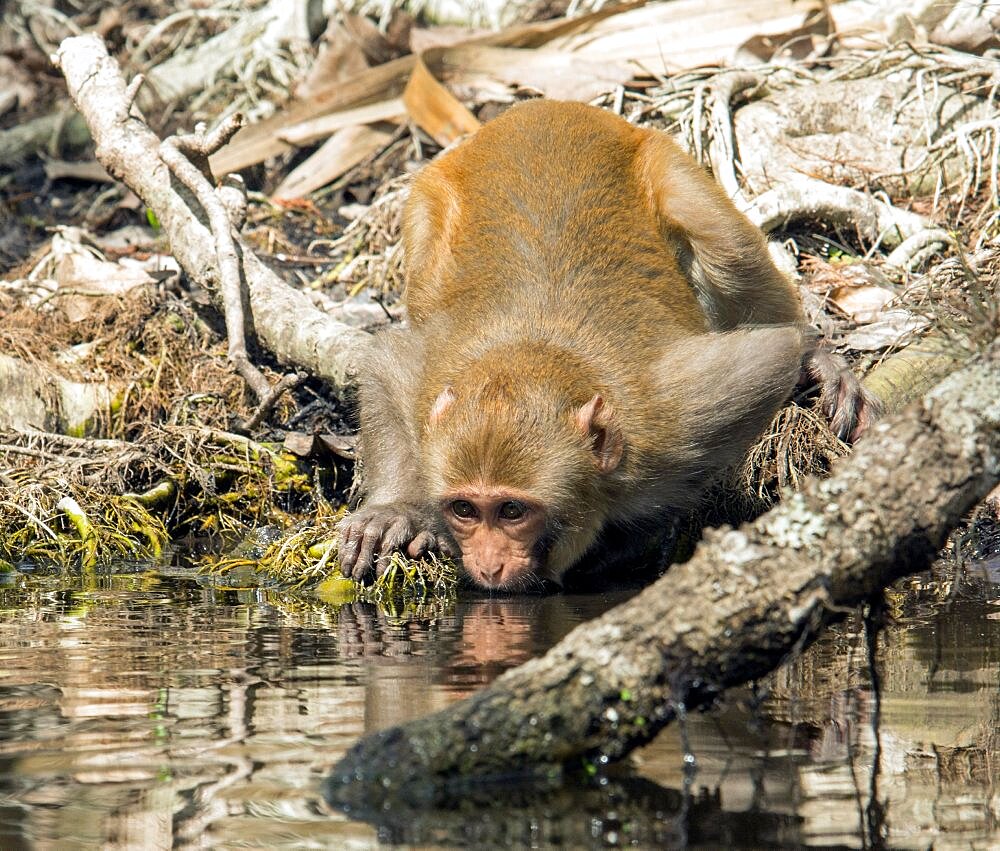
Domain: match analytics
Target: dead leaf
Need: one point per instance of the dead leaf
(342, 151)
(428, 38)
(861, 304)
(258, 142)
(968, 30)
(366, 35)
(340, 57)
(92, 278)
(798, 43)
(681, 34)
(299, 443)
(434, 109)
(892, 329)
(318, 128)
(343, 445)
(557, 75)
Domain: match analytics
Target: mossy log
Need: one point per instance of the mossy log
(745, 601)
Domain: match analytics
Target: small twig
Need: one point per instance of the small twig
(187, 157)
(271, 398)
(41, 454)
(41, 524)
(132, 90)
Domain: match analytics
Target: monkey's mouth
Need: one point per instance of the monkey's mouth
(511, 580)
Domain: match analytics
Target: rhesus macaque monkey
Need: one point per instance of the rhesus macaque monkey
(595, 333)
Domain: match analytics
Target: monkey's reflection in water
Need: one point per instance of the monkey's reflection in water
(418, 662)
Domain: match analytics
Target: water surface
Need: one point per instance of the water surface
(153, 710)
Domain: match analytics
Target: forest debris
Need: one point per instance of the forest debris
(920, 247)
(258, 142)
(262, 140)
(338, 154)
(67, 528)
(306, 132)
(434, 109)
(38, 397)
(285, 319)
(85, 529)
(81, 278)
(729, 615)
(559, 75)
(860, 303)
(342, 445)
(183, 154)
(368, 249)
(662, 37)
(443, 35)
(250, 35)
(892, 328)
(341, 56)
(814, 200)
(824, 128)
(969, 27)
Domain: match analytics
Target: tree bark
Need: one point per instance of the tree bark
(745, 601)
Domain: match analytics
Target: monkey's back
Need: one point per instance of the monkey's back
(541, 222)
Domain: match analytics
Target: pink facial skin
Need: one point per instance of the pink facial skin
(497, 531)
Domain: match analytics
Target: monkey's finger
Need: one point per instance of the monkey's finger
(850, 406)
(370, 540)
(347, 553)
(869, 411)
(399, 532)
(420, 545)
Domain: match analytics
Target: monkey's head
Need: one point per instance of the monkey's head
(520, 478)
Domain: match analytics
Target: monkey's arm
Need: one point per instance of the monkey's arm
(726, 259)
(395, 515)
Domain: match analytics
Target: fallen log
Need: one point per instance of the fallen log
(747, 599)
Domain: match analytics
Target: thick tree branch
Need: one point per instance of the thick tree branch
(283, 318)
(747, 599)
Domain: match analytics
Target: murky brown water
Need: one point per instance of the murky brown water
(152, 711)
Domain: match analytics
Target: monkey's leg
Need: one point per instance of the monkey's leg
(395, 515)
(726, 259)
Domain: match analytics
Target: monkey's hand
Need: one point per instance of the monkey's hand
(850, 408)
(370, 535)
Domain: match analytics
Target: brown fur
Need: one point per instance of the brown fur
(588, 315)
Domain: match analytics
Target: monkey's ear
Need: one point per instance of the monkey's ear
(722, 390)
(597, 422)
(441, 404)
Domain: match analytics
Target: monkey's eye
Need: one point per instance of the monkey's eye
(513, 510)
(463, 508)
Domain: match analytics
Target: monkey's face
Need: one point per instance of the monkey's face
(516, 472)
(499, 532)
